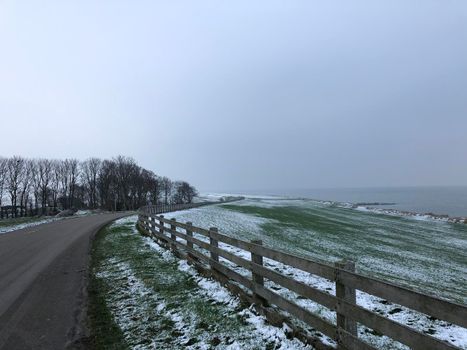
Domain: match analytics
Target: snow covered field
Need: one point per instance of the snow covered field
(423, 254)
(427, 255)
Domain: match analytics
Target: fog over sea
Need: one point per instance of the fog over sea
(447, 200)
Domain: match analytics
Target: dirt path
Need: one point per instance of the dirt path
(43, 272)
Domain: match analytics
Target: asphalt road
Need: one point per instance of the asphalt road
(43, 280)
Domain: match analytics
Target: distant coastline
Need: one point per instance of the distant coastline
(403, 213)
(447, 204)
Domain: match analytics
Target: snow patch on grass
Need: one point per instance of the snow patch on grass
(273, 336)
(211, 288)
(127, 220)
(15, 227)
(216, 216)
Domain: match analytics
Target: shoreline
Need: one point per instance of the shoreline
(365, 207)
(396, 212)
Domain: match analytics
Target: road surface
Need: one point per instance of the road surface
(43, 279)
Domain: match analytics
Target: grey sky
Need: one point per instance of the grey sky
(242, 94)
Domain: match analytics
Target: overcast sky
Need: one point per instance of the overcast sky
(242, 95)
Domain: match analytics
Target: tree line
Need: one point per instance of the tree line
(47, 186)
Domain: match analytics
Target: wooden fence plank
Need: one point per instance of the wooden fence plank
(395, 330)
(189, 233)
(257, 278)
(300, 288)
(173, 228)
(432, 306)
(214, 243)
(314, 294)
(352, 342)
(297, 311)
(348, 294)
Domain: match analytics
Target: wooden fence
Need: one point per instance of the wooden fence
(178, 237)
(166, 208)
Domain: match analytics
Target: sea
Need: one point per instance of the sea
(448, 200)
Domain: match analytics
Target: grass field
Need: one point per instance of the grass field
(425, 255)
(141, 297)
(155, 301)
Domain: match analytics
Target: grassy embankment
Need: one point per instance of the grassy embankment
(141, 297)
(20, 221)
(135, 279)
(426, 255)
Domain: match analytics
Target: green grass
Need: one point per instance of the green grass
(140, 290)
(137, 294)
(425, 255)
(19, 221)
(105, 334)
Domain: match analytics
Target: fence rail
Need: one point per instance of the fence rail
(166, 208)
(179, 237)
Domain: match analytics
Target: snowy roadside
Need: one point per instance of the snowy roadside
(15, 227)
(160, 302)
(39, 221)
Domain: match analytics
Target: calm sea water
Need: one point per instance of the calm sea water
(438, 200)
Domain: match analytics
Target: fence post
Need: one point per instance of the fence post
(161, 229)
(149, 225)
(348, 294)
(173, 237)
(214, 243)
(189, 233)
(257, 279)
(142, 221)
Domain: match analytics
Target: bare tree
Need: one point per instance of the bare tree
(156, 189)
(26, 180)
(69, 176)
(167, 186)
(15, 166)
(73, 178)
(117, 184)
(36, 184)
(55, 183)
(142, 187)
(107, 185)
(3, 175)
(184, 192)
(125, 170)
(44, 171)
(90, 173)
(63, 173)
